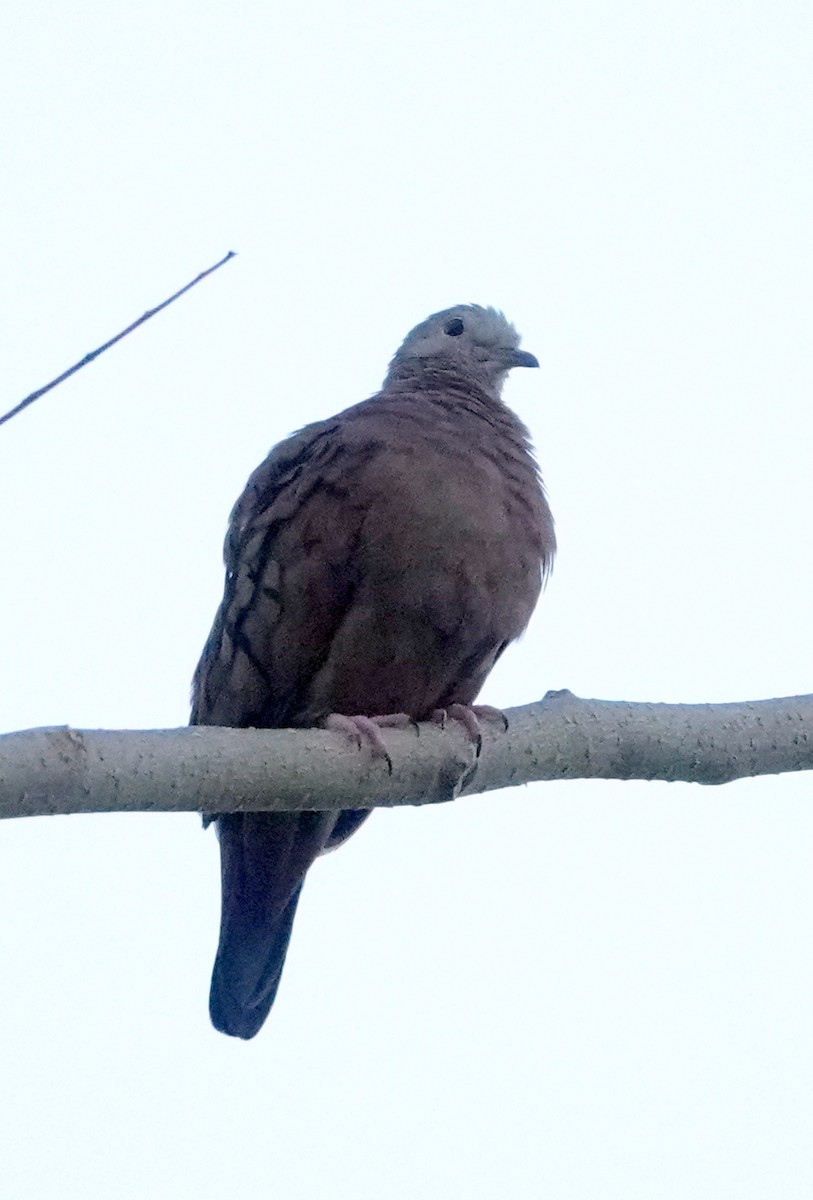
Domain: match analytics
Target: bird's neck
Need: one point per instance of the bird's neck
(467, 399)
(425, 375)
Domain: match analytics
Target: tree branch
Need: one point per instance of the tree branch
(83, 362)
(63, 770)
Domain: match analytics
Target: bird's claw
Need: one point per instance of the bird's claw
(470, 717)
(367, 729)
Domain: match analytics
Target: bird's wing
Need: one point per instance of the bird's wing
(289, 581)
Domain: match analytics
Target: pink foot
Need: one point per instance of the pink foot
(470, 717)
(366, 729)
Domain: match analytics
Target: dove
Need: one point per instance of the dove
(378, 563)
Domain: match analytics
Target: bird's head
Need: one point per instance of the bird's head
(477, 342)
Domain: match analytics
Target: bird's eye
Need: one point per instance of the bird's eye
(454, 328)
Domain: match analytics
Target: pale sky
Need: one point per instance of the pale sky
(569, 991)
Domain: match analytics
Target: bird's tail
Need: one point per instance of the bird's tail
(263, 859)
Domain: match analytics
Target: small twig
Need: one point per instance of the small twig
(101, 349)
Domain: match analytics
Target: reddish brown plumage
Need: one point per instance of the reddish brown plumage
(377, 562)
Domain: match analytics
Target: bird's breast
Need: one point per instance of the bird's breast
(459, 527)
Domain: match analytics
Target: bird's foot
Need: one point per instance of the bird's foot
(470, 717)
(368, 730)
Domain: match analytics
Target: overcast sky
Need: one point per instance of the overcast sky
(570, 991)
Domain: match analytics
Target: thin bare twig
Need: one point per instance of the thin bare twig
(101, 349)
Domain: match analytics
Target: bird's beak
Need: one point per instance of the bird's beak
(521, 358)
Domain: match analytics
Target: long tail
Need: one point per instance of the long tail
(263, 861)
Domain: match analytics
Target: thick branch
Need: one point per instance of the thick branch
(63, 770)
